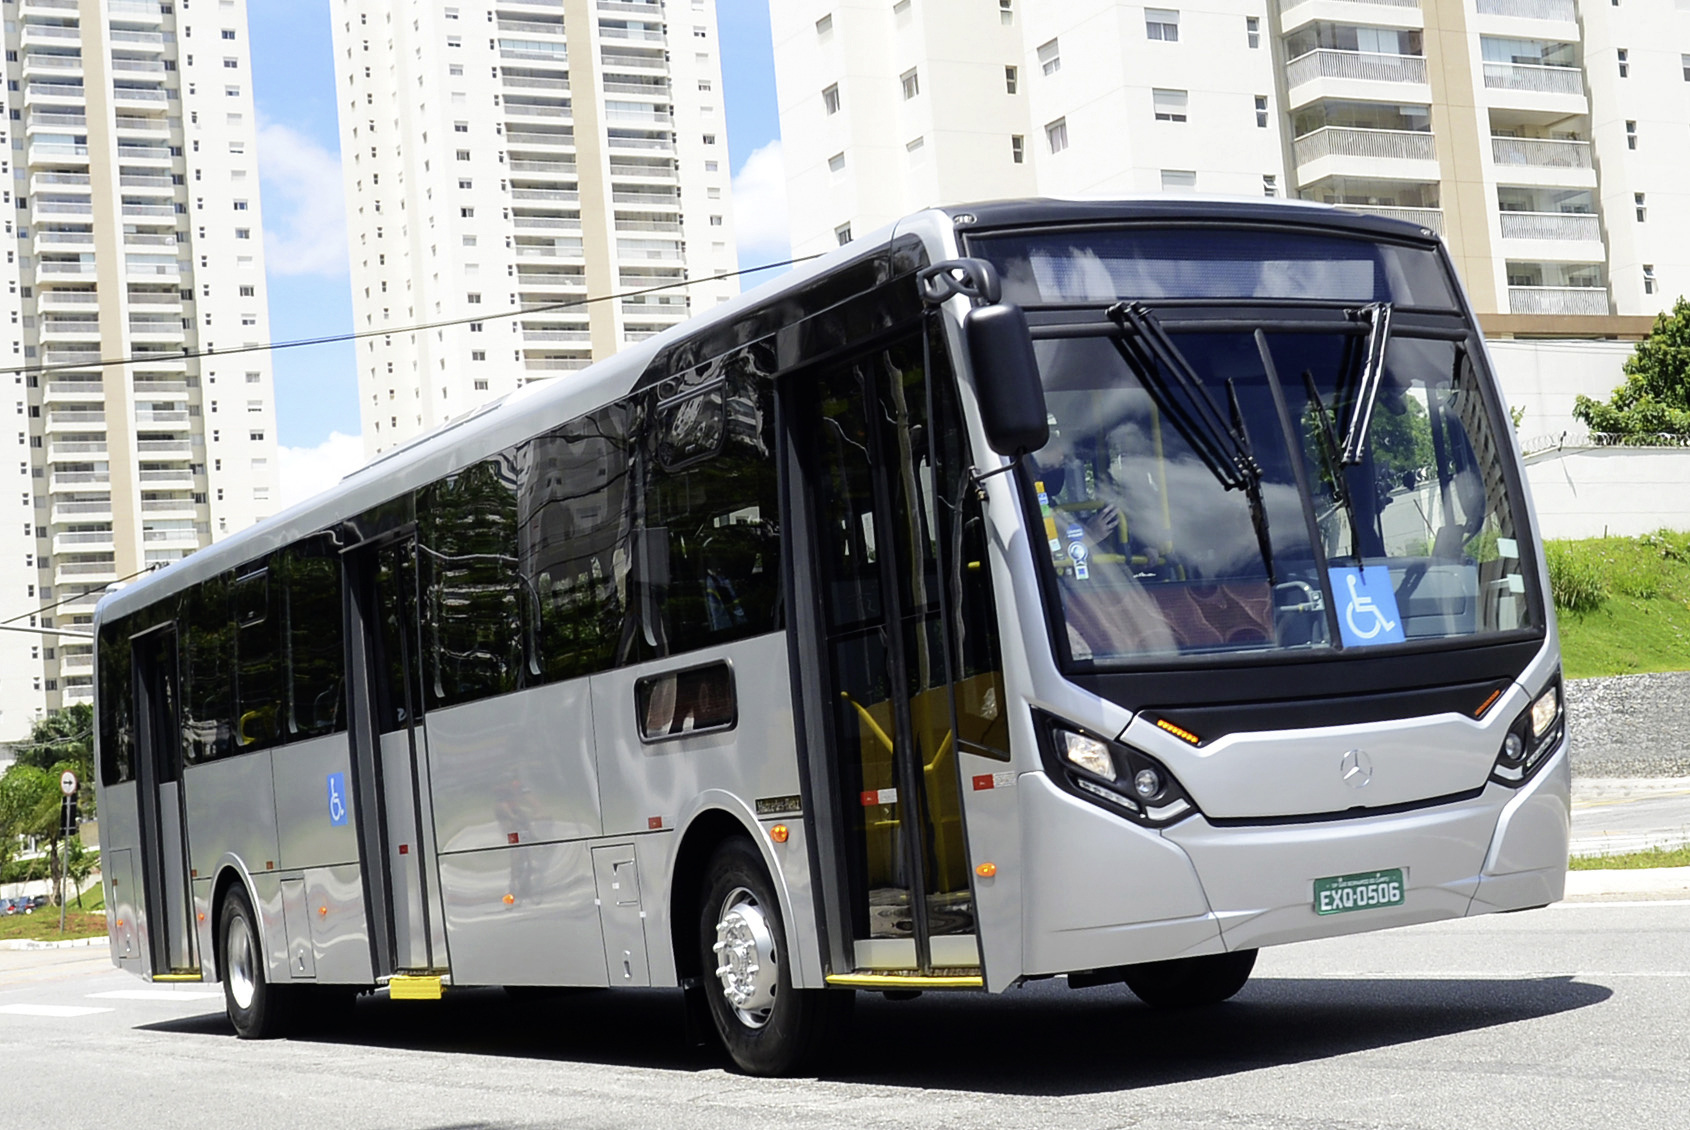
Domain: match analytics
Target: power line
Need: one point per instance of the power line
(421, 327)
(78, 596)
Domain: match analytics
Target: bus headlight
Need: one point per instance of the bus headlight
(1127, 781)
(1534, 733)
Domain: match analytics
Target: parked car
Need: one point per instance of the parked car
(18, 905)
(38, 902)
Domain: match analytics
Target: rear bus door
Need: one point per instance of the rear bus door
(168, 921)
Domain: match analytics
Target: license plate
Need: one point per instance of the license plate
(1366, 891)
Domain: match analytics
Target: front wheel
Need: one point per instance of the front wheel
(767, 1026)
(1190, 982)
(258, 1009)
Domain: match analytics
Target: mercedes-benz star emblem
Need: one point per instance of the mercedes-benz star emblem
(1356, 769)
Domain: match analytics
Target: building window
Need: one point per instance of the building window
(253, 378)
(709, 139)
(911, 82)
(463, 154)
(240, 206)
(715, 221)
(825, 24)
(1270, 184)
(478, 355)
(1253, 31)
(1642, 212)
(232, 64)
(1161, 23)
(243, 233)
(1261, 111)
(1050, 57)
(1648, 278)
(1631, 135)
(1018, 148)
(836, 163)
(915, 146)
(460, 127)
(1006, 12)
(1012, 74)
(843, 234)
(473, 299)
(481, 385)
(228, 33)
(256, 437)
(248, 291)
(454, 41)
(467, 213)
(1624, 58)
(1170, 105)
(1056, 135)
(830, 99)
(1179, 180)
(1684, 62)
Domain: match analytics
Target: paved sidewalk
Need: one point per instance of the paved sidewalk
(1613, 816)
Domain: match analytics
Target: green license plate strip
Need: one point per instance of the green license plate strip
(1366, 891)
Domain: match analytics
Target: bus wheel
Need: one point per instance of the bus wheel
(257, 1009)
(767, 1026)
(1190, 982)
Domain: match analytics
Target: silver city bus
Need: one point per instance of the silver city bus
(1030, 589)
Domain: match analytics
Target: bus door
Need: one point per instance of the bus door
(862, 453)
(169, 918)
(396, 834)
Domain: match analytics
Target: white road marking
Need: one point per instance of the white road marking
(62, 1010)
(153, 995)
(1469, 975)
(1616, 902)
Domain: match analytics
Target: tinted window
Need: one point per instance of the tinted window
(117, 705)
(208, 669)
(576, 528)
(260, 675)
(316, 657)
(475, 604)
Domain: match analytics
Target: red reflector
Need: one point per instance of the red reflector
(404, 849)
(511, 837)
(983, 781)
(654, 822)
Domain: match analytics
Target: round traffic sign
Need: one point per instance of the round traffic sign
(67, 783)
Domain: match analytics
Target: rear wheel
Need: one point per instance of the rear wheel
(258, 1009)
(1190, 982)
(767, 1026)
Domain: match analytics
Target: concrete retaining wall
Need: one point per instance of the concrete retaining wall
(1630, 725)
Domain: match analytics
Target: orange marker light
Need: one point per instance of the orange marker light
(986, 870)
(202, 918)
(1178, 731)
(1486, 705)
(510, 899)
(779, 833)
(322, 912)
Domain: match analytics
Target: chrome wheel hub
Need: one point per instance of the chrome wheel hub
(243, 984)
(747, 962)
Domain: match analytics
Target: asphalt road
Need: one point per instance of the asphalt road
(1574, 1016)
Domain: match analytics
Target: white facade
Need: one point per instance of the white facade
(1547, 140)
(503, 156)
(136, 233)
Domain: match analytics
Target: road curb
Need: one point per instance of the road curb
(1640, 882)
(68, 943)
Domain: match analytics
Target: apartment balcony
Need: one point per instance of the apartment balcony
(528, 138)
(546, 336)
(52, 66)
(78, 208)
(76, 421)
(76, 300)
(55, 153)
(83, 541)
(551, 281)
(552, 195)
(77, 329)
(555, 364)
(160, 153)
(56, 357)
(131, 38)
(74, 391)
(645, 307)
(647, 199)
(49, 267)
(545, 223)
(86, 569)
(81, 511)
(633, 60)
(1353, 66)
(147, 10)
(157, 447)
(50, 34)
(76, 661)
(49, 7)
(637, 170)
(42, 91)
(532, 27)
(161, 478)
(1541, 152)
(654, 88)
(637, 35)
(1563, 10)
(533, 82)
(554, 168)
(639, 144)
(80, 480)
(639, 9)
(537, 110)
(150, 212)
(1347, 151)
(561, 249)
(1551, 225)
(149, 239)
(53, 121)
(185, 535)
(143, 95)
(146, 180)
(142, 125)
(1534, 78)
(48, 181)
(172, 417)
(168, 333)
(151, 266)
(156, 387)
(1558, 299)
(165, 300)
(126, 65)
(75, 450)
(667, 250)
(673, 226)
(533, 51)
(182, 506)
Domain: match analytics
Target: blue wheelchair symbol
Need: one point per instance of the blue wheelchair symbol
(1367, 606)
(337, 799)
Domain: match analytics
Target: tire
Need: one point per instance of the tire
(767, 1026)
(1190, 982)
(258, 1009)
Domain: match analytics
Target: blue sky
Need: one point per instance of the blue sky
(298, 157)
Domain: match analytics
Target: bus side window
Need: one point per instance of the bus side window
(314, 641)
(575, 518)
(208, 667)
(117, 705)
(259, 669)
(475, 606)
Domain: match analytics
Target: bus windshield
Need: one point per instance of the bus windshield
(1293, 480)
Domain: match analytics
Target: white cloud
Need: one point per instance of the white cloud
(304, 204)
(760, 208)
(305, 471)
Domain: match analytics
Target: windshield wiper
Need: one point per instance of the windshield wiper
(1180, 396)
(1378, 318)
(1327, 441)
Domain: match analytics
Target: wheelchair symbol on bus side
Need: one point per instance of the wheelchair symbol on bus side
(337, 799)
(1370, 614)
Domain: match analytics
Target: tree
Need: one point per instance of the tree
(64, 740)
(29, 806)
(1655, 398)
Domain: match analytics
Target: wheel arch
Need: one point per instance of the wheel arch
(230, 877)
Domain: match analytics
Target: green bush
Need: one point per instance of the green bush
(1575, 578)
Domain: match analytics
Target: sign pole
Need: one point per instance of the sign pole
(67, 786)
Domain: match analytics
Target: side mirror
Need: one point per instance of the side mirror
(1012, 397)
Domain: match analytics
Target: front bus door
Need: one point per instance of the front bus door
(169, 919)
(875, 449)
(391, 755)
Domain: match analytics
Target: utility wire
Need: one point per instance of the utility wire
(78, 596)
(421, 327)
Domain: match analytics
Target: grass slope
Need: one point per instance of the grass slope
(1624, 603)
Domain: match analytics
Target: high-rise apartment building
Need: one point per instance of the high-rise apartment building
(133, 232)
(1547, 140)
(517, 157)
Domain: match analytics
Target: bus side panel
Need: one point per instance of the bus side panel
(520, 765)
(120, 839)
(231, 807)
(314, 827)
(523, 915)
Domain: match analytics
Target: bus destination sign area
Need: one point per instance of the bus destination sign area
(1358, 892)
